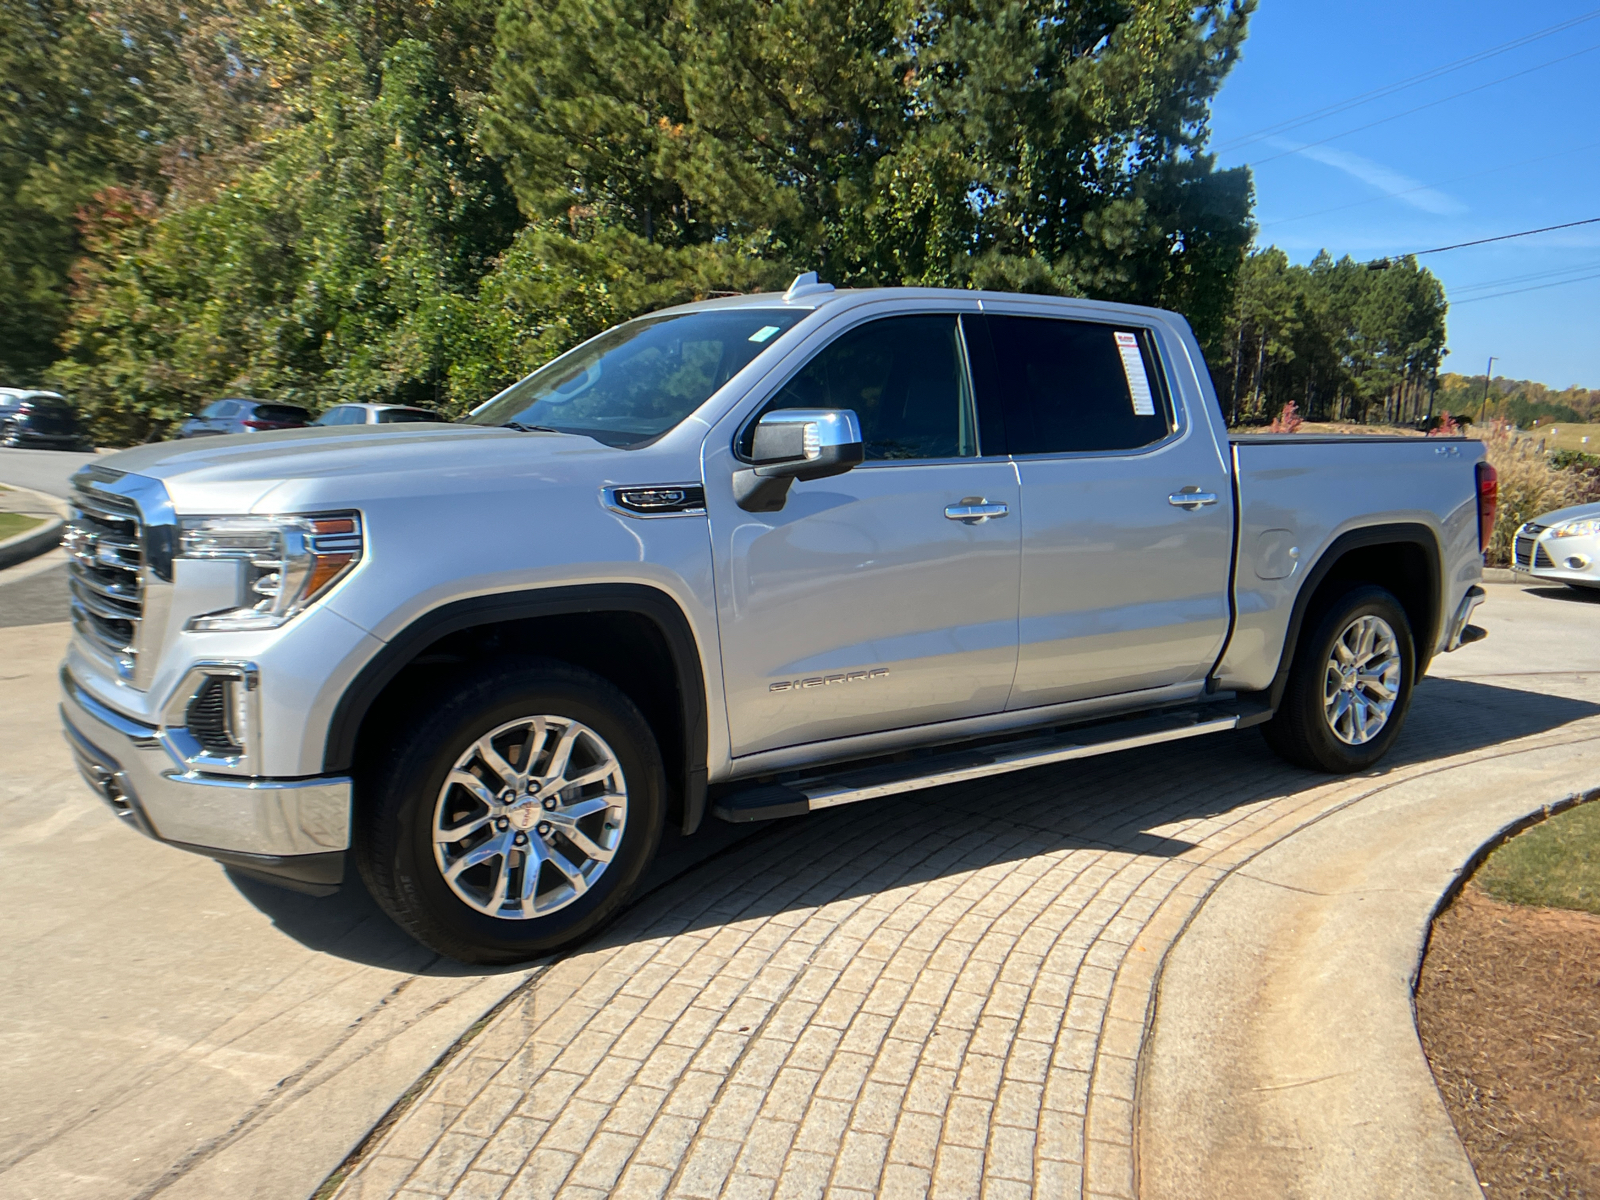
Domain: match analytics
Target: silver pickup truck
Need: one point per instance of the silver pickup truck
(744, 558)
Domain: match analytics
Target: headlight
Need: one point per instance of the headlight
(1576, 529)
(288, 561)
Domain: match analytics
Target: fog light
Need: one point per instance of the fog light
(1577, 562)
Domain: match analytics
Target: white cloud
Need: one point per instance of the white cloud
(1374, 174)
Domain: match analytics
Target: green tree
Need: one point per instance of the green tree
(344, 266)
(1041, 145)
(1340, 339)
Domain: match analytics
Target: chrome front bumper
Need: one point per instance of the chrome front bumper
(295, 829)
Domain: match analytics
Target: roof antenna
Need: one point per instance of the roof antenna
(805, 284)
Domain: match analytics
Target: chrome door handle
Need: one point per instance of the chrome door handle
(1191, 500)
(975, 510)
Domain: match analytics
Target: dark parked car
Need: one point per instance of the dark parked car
(376, 414)
(35, 418)
(241, 415)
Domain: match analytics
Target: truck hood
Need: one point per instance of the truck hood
(337, 450)
(357, 463)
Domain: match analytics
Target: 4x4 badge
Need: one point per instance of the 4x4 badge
(794, 685)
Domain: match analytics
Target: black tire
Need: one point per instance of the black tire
(8, 436)
(1301, 731)
(397, 795)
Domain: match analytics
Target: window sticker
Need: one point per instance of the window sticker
(1144, 404)
(763, 333)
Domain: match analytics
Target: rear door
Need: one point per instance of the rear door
(869, 603)
(1124, 578)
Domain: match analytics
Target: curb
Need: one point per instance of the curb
(33, 542)
(1232, 982)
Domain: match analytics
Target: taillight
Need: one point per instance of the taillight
(259, 424)
(1488, 501)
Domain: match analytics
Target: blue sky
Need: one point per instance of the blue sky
(1505, 157)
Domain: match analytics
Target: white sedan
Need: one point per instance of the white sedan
(376, 414)
(1562, 546)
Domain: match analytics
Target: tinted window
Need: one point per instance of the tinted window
(1075, 386)
(635, 382)
(391, 416)
(222, 408)
(280, 412)
(345, 414)
(905, 378)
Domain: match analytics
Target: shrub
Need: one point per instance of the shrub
(1287, 421)
(1530, 484)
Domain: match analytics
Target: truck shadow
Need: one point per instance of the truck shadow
(1156, 802)
(1572, 595)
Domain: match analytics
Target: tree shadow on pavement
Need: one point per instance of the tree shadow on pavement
(1156, 802)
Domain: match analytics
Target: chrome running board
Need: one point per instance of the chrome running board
(807, 793)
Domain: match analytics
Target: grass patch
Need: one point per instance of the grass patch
(1559, 435)
(12, 524)
(1555, 864)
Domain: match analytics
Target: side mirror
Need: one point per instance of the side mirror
(796, 443)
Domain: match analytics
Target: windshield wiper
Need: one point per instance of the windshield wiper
(521, 428)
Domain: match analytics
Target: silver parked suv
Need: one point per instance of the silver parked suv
(745, 558)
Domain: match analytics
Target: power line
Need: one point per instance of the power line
(1422, 187)
(1529, 277)
(1402, 85)
(1333, 137)
(1518, 291)
(1504, 237)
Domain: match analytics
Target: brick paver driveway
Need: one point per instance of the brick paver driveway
(943, 994)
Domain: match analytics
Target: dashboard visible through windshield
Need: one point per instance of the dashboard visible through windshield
(635, 382)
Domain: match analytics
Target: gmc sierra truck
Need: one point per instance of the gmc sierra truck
(744, 558)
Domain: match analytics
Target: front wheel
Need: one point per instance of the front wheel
(1349, 686)
(514, 816)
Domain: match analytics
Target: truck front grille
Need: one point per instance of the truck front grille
(105, 564)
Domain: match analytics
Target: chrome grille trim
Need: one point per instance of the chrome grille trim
(104, 566)
(116, 521)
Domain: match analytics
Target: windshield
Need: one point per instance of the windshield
(635, 382)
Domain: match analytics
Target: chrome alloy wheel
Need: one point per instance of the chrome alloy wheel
(1362, 681)
(529, 817)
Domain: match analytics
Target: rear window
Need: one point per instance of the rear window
(279, 412)
(392, 416)
(1075, 387)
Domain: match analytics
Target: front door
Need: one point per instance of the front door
(873, 600)
(1124, 583)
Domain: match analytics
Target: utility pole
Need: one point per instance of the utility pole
(1488, 374)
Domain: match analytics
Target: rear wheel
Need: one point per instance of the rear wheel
(9, 437)
(514, 816)
(1349, 687)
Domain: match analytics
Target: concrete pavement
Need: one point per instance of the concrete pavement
(948, 994)
(945, 993)
(1284, 1058)
(45, 471)
(168, 1030)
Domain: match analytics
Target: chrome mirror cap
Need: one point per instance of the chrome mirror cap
(796, 443)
